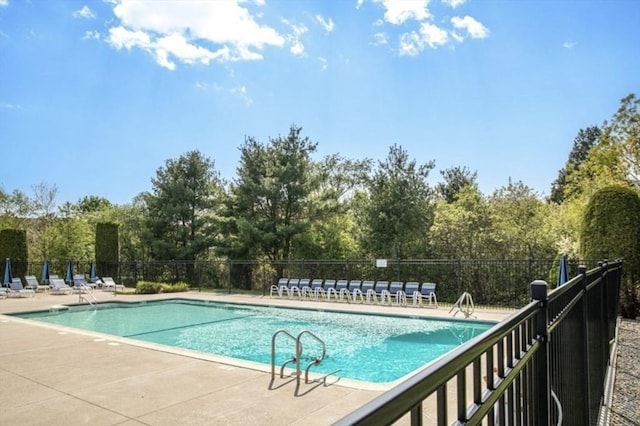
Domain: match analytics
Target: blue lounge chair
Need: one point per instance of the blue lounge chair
(329, 287)
(382, 291)
(294, 287)
(342, 291)
(427, 292)
(355, 291)
(305, 288)
(412, 289)
(317, 291)
(280, 288)
(396, 288)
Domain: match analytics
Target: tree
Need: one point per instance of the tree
(462, 229)
(624, 131)
(518, 220)
(179, 222)
(399, 212)
(269, 203)
(107, 249)
(42, 211)
(13, 245)
(582, 144)
(455, 179)
(611, 230)
(332, 232)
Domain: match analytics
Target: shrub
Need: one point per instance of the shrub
(611, 230)
(147, 287)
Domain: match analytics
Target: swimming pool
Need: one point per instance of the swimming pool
(363, 347)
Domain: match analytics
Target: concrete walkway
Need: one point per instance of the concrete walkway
(52, 375)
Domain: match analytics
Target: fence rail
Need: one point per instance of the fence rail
(545, 364)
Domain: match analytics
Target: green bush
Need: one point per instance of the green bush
(147, 287)
(611, 230)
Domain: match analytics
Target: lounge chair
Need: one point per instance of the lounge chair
(58, 286)
(397, 292)
(426, 292)
(80, 284)
(109, 284)
(305, 288)
(342, 291)
(16, 289)
(382, 291)
(329, 287)
(32, 283)
(412, 288)
(294, 287)
(368, 291)
(316, 289)
(279, 288)
(356, 292)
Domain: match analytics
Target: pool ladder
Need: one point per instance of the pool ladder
(296, 358)
(87, 295)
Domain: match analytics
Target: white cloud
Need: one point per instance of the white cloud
(191, 31)
(296, 45)
(4, 3)
(380, 39)
(243, 94)
(323, 61)
(411, 44)
(85, 12)
(91, 35)
(454, 3)
(474, 28)
(399, 11)
(359, 3)
(327, 25)
(569, 44)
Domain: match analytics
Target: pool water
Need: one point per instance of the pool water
(364, 347)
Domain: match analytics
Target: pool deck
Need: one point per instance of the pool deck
(51, 375)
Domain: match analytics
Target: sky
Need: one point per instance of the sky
(95, 96)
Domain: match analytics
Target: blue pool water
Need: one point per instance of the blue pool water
(370, 348)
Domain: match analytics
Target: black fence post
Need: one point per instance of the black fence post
(542, 377)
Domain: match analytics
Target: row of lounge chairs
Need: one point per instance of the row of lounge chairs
(57, 286)
(356, 291)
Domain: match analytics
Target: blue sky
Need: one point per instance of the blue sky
(96, 95)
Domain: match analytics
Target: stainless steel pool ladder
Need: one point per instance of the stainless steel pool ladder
(87, 295)
(297, 356)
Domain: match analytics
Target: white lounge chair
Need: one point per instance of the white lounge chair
(33, 284)
(109, 284)
(58, 286)
(16, 289)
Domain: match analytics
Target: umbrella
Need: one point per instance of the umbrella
(44, 276)
(563, 271)
(68, 275)
(93, 275)
(6, 279)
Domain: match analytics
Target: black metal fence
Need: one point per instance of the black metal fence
(545, 364)
(491, 282)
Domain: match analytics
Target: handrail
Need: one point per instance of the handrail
(297, 356)
(316, 360)
(91, 299)
(273, 355)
